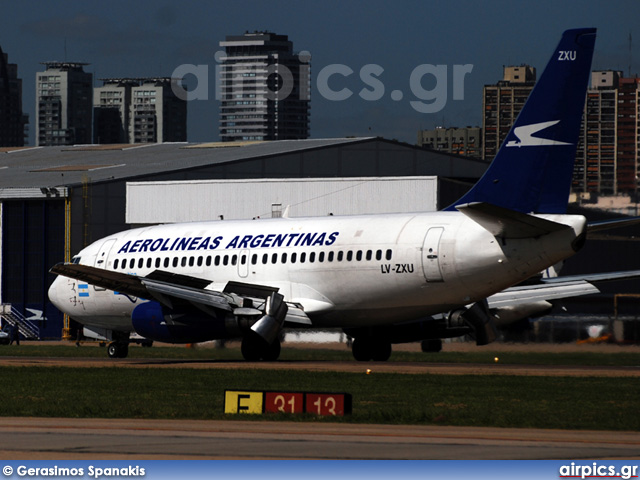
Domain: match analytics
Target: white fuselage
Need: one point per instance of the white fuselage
(344, 271)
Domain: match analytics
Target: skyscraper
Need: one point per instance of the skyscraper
(502, 104)
(63, 93)
(157, 114)
(12, 120)
(138, 110)
(265, 89)
(607, 160)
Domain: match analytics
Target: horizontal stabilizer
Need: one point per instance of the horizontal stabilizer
(610, 224)
(534, 293)
(505, 223)
(595, 277)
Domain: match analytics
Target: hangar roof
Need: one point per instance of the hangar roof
(38, 167)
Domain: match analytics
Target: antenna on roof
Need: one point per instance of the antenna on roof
(630, 54)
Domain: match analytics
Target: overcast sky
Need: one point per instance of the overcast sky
(388, 42)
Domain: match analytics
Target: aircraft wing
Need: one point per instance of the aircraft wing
(170, 288)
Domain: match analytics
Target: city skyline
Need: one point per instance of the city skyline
(372, 51)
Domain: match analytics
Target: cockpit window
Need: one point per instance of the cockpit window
(75, 260)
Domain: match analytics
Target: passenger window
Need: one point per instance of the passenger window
(359, 255)
(175, 262)
(294, 257)
(225, 260)
(330, 257)
(312, 257)
(321, 257)
(284, 258)
(340, 255)
(243, 259)
(217, 262)
(274, 258)
(349, 255)
(132, 263)
(254, 259)
(234, 260)
(158, 262)
(183, 263)
(115, 264)
(379, 255)
(303, 257)
(200, 260)
(369, 254)
(208, 262)
(192, 261)
(265, 259)
(166, 262)
(389, 254)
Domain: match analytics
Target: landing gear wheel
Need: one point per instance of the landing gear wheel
(381, 351)
(251, 347)
(255, 348)
(367, 348)
(272, 352)
(118, 350)
(361, 349)
(431, 346)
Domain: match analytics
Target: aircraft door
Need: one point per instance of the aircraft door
(431, 255)
(243, 264)
(102, 257)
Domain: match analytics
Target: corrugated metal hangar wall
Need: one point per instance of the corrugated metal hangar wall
(202, 200)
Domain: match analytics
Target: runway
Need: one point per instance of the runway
(84, 439)
(61, 438)
(327, 366)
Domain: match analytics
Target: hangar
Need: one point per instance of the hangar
(56, 200)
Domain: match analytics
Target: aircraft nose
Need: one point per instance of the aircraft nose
(55, 294)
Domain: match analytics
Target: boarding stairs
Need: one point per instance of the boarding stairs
(28, 329)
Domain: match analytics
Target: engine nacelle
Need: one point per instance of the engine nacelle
(151, 320)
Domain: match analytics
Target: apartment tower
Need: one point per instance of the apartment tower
(264, 89)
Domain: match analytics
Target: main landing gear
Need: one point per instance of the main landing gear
(371, 348)
(118, 350)
(255, 348)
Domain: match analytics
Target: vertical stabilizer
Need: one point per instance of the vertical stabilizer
(533, 169)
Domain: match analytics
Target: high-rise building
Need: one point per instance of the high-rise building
(63, 115)
(460, 141)
(608, 151)
(264, 89)
(112, 109)
(12, 120)
(138, 110)
(157, 114)
(502, 104)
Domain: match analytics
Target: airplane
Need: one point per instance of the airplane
(383, 279)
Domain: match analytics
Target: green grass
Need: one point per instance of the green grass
(474, 400)
(498, 401)
(482, 355)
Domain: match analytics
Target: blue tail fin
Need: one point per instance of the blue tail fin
(533, 168)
